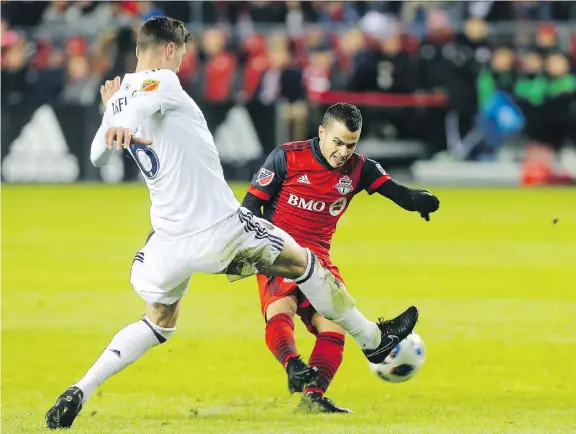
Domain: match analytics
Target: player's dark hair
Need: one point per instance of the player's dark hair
(348, 114)
(162, 31)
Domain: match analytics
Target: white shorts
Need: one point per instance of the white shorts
(240, 245)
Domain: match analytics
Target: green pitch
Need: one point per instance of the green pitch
(494, 277)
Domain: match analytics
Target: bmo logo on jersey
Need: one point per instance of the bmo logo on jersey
(310, 205)
(334, 209)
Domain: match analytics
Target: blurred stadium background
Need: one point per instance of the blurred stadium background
(468, 99)
(478, 92)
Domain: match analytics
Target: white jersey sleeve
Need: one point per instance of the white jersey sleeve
(99, 153)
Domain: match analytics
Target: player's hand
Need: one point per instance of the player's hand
(426, 203)
(108, 89)
(123, 138)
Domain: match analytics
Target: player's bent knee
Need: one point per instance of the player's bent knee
(163, 315)
(286, 305)
(161, 333)
(292, 262)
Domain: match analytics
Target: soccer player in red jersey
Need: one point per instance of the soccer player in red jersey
(304, 188)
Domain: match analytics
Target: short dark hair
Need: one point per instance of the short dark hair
(348, 114)
(162, 31)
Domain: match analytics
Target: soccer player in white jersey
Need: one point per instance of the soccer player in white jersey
(198, 225)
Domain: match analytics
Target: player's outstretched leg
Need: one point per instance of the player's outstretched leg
(330, 298)
(281, 343)
(128, 344)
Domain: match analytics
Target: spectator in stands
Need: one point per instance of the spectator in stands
(47, 81)
(15, 69)
(352, 50)
(434, 59)
(388, 69)
(315, 37)
(318, 75)
(499, 75)
(547, 38)
(499, 116)
(219, 69)
(560, 104)
(283, 82)
(530, 91)
(81, 86)
(467, 55)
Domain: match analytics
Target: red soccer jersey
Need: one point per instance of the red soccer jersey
(306, 196)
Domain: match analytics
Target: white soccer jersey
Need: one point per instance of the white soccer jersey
(181, 168)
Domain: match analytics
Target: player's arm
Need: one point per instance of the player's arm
(99, 153)
(157, 93)
(375, 179)
(267, 181)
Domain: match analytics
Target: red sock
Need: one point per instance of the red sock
(280, 337)
(326, 356)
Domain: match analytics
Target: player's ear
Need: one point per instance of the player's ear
(321, 132)
(170, 50)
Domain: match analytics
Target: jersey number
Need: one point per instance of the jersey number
(146, 159)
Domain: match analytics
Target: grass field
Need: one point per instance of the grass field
(494, 277)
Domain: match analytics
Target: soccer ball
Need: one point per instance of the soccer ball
(405, 360)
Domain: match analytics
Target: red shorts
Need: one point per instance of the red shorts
(276, 288)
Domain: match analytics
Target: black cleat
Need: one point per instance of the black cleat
(393, 331)
(67, 407)
(299, 374)
(314, 402)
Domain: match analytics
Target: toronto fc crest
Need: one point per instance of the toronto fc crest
(344, 185)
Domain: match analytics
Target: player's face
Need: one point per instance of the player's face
(337, 143)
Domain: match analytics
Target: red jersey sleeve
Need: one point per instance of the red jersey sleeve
(372, 176)
(267, 181)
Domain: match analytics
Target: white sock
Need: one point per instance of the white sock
(330, 298)
(126, 346)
